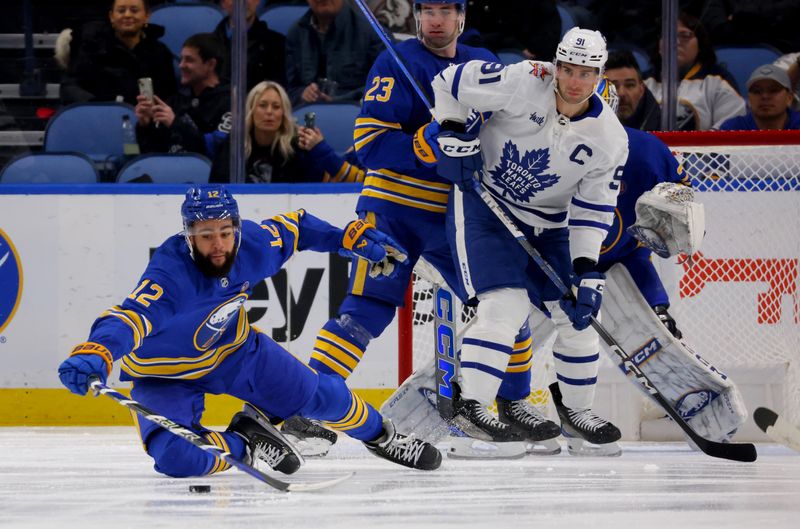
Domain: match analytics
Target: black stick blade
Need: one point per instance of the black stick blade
(765, 418)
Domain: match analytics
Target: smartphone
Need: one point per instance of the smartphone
(311, 120)
(146, 88)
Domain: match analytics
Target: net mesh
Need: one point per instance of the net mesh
(738, 303)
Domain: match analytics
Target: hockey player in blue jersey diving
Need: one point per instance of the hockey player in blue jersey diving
(183, 333)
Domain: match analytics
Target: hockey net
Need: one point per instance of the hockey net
(738, 305)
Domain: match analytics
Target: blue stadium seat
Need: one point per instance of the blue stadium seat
(179, 168)
(510, 56)
(95, 129)
(183, 20)
(335, 120)
(567, 21)
(742, 60)
(281, 17)
(50, 168)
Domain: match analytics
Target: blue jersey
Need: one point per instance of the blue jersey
(180, 323)
(396, 182)
(649, 162)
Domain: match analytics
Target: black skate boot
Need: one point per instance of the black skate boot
(264, 442)
(541, 432)
(310, 438)
(472, 418)
(404, 450)
(581, 426)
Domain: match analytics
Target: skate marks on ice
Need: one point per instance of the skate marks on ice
(66, 477)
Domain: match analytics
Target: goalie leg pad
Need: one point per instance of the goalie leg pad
(488, 344)
(703, 395)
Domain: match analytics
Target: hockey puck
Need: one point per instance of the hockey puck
(200, 488)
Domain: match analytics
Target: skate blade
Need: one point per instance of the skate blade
(310, 447)
(470, 448)
(548, 447)
(582, 448)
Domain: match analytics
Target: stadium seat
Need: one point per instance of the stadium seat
(50, 168)
(567, 21)
(95, 129)
(179, 168)
(183, 20)
(742, 60)
(335, 120)
(510, 56)
(281, 17)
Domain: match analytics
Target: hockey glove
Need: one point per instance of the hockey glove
(426, 147)
(588, 290)
(361, 239)
(461, 158)
(86, 359)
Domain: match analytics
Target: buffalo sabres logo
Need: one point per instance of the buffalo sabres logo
(521, 177)
(691, 403)
(217, 323)
(10, 280)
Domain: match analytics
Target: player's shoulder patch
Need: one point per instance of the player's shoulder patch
(540, 70)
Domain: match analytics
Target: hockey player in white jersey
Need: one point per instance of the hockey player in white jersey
(551, 155)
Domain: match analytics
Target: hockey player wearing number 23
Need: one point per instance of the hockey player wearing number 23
(551, 156)
(183, 333)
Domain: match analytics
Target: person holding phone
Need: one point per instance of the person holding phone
(280, 151)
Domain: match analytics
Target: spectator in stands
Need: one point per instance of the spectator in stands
(329, 51)
(769, 93)
(266, 49)
(107, 58)
(279, 151)
(790, 62)
(638, 109)
(199, 109)
(706, 93)
(503, 25)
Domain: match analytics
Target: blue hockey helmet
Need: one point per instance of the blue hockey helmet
(209, 202)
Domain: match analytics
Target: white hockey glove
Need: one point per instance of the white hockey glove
(668, 221)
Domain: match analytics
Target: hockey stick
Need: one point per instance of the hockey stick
(176, 429)
(778, 428)
(733, 451)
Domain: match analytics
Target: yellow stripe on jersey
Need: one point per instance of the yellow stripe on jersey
(362, 122)
(138, 323)
(219, 441)
(360, 143)
(522, 358)
(331, 364)
(407, 191)
(355, 417)
(292, 223)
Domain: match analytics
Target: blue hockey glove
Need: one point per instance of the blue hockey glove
(86, 359)
(425, 146)
(588, 290)
(460, 159)
(361, 239)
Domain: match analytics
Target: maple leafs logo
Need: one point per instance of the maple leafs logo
(520, 178)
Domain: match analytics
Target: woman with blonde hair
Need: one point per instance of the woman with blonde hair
(279, 151)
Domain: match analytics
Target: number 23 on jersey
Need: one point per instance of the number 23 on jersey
(381, 89)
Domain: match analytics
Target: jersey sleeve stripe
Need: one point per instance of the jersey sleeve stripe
(593, 207)
(362, 122)
(457, 80)
(366, 139)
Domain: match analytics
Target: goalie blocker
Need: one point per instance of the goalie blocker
(704, 396)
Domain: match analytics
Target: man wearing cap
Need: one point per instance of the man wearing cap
(769, 94)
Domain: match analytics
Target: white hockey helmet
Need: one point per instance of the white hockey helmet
(584, 47)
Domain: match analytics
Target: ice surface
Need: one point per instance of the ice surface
(78, 477)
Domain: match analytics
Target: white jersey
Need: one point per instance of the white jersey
(548, 170)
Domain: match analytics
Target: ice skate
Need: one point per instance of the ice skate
(264, 442)
(541, 432)
(586, 433)
(310, 438)
(404, 450)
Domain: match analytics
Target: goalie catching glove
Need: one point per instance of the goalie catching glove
(361, 239)
(668, 221)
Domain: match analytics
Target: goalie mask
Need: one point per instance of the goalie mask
(461, 9)
(209, 202)
(608, 93)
